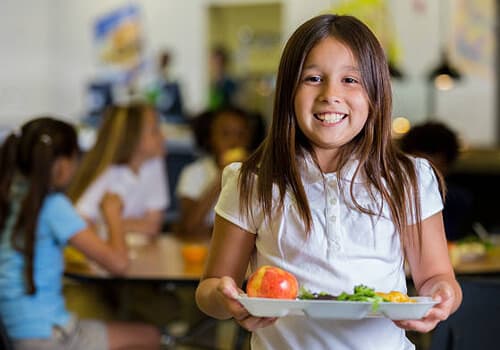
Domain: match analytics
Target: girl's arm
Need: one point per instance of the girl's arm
(150, 223)
(227, 264)
(194, 211)
(432, 273)
(111, 254)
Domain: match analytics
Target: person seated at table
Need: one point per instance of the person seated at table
(440, 145)
(226, 135)
(126, 159)
(36, 221)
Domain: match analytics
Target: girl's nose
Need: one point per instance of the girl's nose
(330, 93)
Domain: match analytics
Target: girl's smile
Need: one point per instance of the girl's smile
(330, 117)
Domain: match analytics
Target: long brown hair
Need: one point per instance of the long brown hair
(117, 139)
(388, 171)
(30, 156)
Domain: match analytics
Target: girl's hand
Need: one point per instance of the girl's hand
(111, 205)
(444, 294)
(227, 292)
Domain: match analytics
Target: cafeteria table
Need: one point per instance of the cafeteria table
(155, 260)
(487, 264)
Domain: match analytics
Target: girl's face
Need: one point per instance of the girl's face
(229, 131)
(63, 170)
(330, 104)
(151, 142)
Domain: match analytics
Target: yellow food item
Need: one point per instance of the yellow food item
(396, 297)
(234, 155)
(71, 255)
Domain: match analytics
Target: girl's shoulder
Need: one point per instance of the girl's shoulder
(57, 205)
(57, 201)
(202, 165)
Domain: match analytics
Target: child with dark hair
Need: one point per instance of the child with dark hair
(440, 145)
(225, 135)
(37, 221)
(434, 141)
(329, 198)
(126, 159)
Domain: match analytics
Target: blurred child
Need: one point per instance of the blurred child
(127, 159)
(36, 221)
(329, 198)
(226, 135)
(439, 144)
(223, 90)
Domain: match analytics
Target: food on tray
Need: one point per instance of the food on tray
(272, 282)
(306, 294)
(395, 297)
(334, 309)
(361, 293)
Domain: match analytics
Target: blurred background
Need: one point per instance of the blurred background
(73, 58)
(53, 51)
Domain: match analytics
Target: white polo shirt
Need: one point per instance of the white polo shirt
(195, 179)
(146, 190)
(344, 248)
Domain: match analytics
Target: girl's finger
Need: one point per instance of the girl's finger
(252, 323)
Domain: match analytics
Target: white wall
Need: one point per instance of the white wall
(25, 59)
(47, 57)
(177, 25)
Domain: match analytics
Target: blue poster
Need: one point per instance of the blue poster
(119, 44)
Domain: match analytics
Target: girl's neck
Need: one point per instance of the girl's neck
(327, 161)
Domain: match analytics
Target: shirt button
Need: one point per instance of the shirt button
(333, 218)
(333, 201)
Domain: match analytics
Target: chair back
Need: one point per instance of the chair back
(176, 160)
(476, 324)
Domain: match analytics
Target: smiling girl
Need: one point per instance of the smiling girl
(329, 198)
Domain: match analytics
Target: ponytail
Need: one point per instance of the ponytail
(39, 179)
(8, 154)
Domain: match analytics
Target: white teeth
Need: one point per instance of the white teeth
(330, 117)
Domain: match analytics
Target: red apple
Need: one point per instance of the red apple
(272, 282)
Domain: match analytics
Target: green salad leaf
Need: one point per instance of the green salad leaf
(363, 293)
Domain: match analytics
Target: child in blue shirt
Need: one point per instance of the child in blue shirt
(36, 222)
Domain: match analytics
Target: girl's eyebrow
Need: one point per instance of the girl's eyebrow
(347, 68)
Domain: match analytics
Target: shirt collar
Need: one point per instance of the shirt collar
(311, 173)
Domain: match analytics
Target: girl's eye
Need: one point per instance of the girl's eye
(313, 79)
(351, 80)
